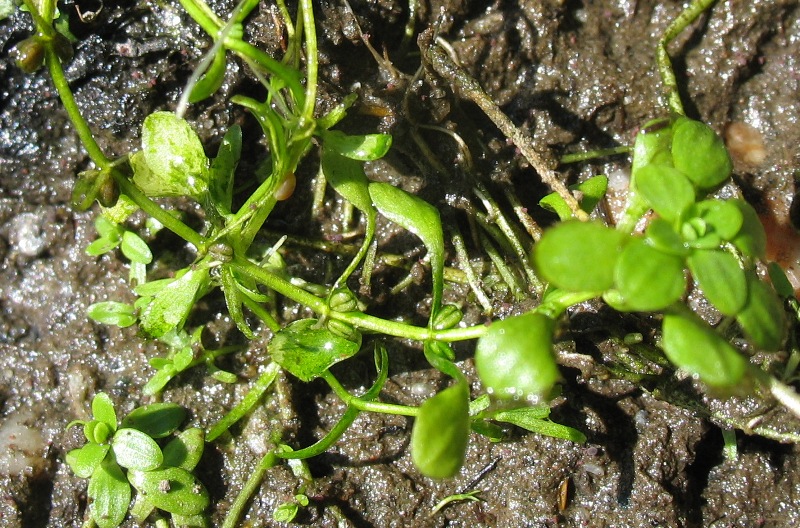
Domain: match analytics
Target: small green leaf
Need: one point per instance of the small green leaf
(591, 190)
(661, 235)
(101, 246)
(171, 305)
(763, 319)
(422, 219)
(172, 160)
(648, 279)
(97, 432)
(110, 494)
(700, 153)
(665, 189)
(84, 461)
(133, 449)
(721, 217)
(135, 248)
(103, 410)
(693, 346)
(220, 185)
(579, 256)
(185, 450)
(112, 313)
(441, 431)
(364, 148)
(515, 358)
(306, 350)
(780, 281)
(531, 419)
(285, 512)
(212, 78)
(721, 278)
(751, 239)
(171, 489)
(652, 146)
(156, 420)
(107, 229)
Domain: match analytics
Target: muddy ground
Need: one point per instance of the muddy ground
(575, 75)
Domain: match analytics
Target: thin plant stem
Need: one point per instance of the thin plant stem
(248, 490)
(472, 279)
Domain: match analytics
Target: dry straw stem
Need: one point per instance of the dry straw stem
(469, 88)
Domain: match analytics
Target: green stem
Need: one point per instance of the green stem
(254, 394)
(688, 16)
(73, 111)
(310, 31)
(154, 210)
(249, 489)
(366, 405)
(356, 319)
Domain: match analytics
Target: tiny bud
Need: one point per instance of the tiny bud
(29, 54)
(343, 300)
(448, 317)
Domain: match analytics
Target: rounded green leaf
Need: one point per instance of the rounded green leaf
(171, 489)
(186, 449)
(652, 145)
(721, 278)
(363, 148)
(112, 313)
(665, 189)
(135, 450)
(751, 238)
(441, 431)
(579, 256)
(156, 420)
(84, 461)
(700, 153)
(721, 217)
(172, 160)
(97, 432)
(514, 358)
(135, 248)
(171, 305)
(306, 350)
(103, 410)
(110, 494)
(661, 235)
(695, 347)
(648, 279)
(763, 318)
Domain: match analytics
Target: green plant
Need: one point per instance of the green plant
(676, 163)
(120, 458)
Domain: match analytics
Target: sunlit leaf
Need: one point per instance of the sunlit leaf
(535, 420)
(156, 420)
(579, 256)
(135, 450)
(721, 278)
(648, 279)
(422, 219)
(441, 431)
(135, 248)
(103, 410)
(185, 450)
(665, 189)
(700, 153)
(364, 148)
(171, 489)
(591, 192)
(515, 358)
(763, 318)
(723, 217)
(112, 313)
(695, 347)
(307, 350)
(171, 305)
(652, 145)
(110, 494)
(172, 161)
(83, 461)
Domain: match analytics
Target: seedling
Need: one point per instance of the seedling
(124, 459)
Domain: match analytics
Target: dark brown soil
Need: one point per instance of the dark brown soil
(574, 75)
